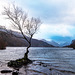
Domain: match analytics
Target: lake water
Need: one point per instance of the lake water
(62, 58)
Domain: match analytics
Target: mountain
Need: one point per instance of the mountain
(62, 40)
(11, 40)
(64, 44)
(56, 44)
(51, 42)
(72, 44)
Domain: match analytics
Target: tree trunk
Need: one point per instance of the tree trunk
(26, 54)
(27, 51)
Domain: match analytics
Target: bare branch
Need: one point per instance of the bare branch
(20, 21)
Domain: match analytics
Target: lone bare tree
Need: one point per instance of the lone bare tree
(21, 22)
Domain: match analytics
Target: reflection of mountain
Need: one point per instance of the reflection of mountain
(14, 41)
(51, 42)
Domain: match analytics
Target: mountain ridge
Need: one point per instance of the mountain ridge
(11, 40)
(51, 42)
(72, 45)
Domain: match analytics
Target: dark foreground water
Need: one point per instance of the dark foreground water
(61, 58)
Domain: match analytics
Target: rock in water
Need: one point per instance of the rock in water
(6, 71)
(15, 73)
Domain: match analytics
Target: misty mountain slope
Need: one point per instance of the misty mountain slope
(40, 43)
(65, 44)
(51, 42)
(11, 40)
(14, 41)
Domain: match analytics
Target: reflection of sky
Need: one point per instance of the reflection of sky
(58, 17)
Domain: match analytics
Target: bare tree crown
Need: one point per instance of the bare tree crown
(21, 22)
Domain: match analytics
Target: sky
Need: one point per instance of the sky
(57, 16)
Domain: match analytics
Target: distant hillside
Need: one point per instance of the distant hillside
(55, 44)
(65, 44)
(72, 44)
(14, 41)
(51, 42)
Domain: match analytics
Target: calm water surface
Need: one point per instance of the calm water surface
(62, 58)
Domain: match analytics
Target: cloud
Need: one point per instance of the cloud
(63, 11)
(50, 11)
(47, 31)
(61, 39)
(2, 19)
(58, 16)
(56, 11)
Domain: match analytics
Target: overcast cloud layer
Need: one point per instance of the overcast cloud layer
(58, 16)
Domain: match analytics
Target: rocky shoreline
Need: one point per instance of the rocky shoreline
(36, 68)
